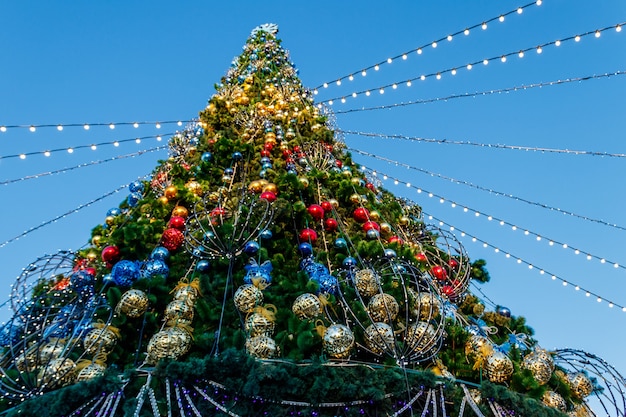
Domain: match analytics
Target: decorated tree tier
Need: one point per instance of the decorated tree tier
(260, 271)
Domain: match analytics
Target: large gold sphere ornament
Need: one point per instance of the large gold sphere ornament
(91, 371)
(540, 368)
(27, 361)
(194, 187)
(270, 187)
(385, 229)
(338, 341)
(498, 367)
(255, 186)
(581, 410)
(307, 306)
(178, 312)
(404, 220)
(171, 342)
(257, 324)
(304, 181)
(50, 350)
(355, 198)
(262, 347)
(478, 346)
(57, 373)
(187, 293)
(133, 303)
(333, 202)
(247, 297)
(96, 240)
(580, 384)
(163, 200)
(170, 192)
(374, 215)
(422, 338)
(383, 307)
(379, 338)
(100, 340)
(180, 211)
(425, 305)
(214, 197)
(109, 220)
(367, 282)
(554, 400)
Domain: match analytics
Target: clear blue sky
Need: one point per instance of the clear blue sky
(156, 61)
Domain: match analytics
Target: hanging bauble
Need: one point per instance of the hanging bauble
(180, 211)
(390, 253)
(177, 222)
(545, 356)
(328, 284)
(125, 272)
(305, 249)
(439, 273)
(421, 338)
(133, 199)
(268, 195)
(581, 410)
(307, 306)
(51, 350)
(110, 254)
(237, 156)
(171, 342)
(374, 215)
(259, 324)
(370, 225)
(340, 243)
(330, 224)
(82, 282)
(115, 211)
(385, 229)
(266, 234)
(541, 370)
(172, 239)
(100, 339)
(395, 239)
(334, 203)
(136, 187)
(580, 385)
(262, 347)
(187, 292)
(327, 206)
(349, 262)
(498, 367)
(206, 157)
(316, 211)
(338, 341)
(133, 303)
(379, 338)
(361, 214)
(554, 400)
(178, 312)
(251, 248)
(57, 373)
(170, 192)
(255, 187)
(91, 371)
(425, 305)
(383, 308)
(160, 253)
(155, 267)
(370, 187)
(27, 361)
(372, 234)
(404, 220)
(367, 282)
(308, 235)
(247, 297)
(453, 263)
(270, 187)
(503, 311)
(421, 257)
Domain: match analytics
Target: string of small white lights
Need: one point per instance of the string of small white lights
(482, 145)
(47, 222)
(520, 53)
(101, 161)
(519, 260)
(433, 44)
(489, 190)
(478, 213)
(87, 126)
(507, 90)
(93, 147)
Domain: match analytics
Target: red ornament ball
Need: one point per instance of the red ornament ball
(177, 222)
(269, 196)
(316, 211)
(338, 163)
(265, 152)
(268, 146)
(296, 148)
(361, 215)
(453, 263)
(90, 271)
(395, 239)
(172, 239)
(218, 211)
(326, 206)
(421, 257)
(371, 225)
(330, 224)
(110, 254)
(308, 235)
(448, 291)
(439, 272)
(370, 187)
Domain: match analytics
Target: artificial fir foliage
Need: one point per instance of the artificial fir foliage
(260, 272)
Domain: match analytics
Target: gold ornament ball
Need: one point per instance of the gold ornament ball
(187, 293)
(333, 202)
(259, 325)
(178, 312)
(355, 181)
(99, 340)
(581, 410)
(170, 192)
(96, 240)
(272, 188)
(355, 198)
(58, 373)
(379, 338)
(580, 384)
(307, 306)
(338, 341)
(180, 211)
(171, 342)
(163, 200)
(27, 361)
(214, 197)
(421, 338)
(367, 282)
(247, 297)
(270, 136)
(404, 221)
(50, 350)
(425, 305)
(554, 400)
(304, 181)
(498, 367)
(91, 371)
(255, 187)
(383, 307)
(109, 220)
(476, 345)
(133, 303)
(385, 229)
(544, 355)
(541, 369)
(374, 215)
(262, 347)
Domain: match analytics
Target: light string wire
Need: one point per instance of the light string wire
(434, 43)
(482, 145)
(86, 126)
(489, 217)
(48, 222)
(101, 161)
(507, 90)
(453, 70)
(489, 190)
(93, 146)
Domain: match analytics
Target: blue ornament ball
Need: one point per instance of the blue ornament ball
(266, 234)
(114, 212)
(328, 284)
(340, 243)
(503, 311)
(266, 166)
(206, 157)
(160, 253)
(155, 267)
(265, 159)
(251, 248)
(390, 253)
(349, 262)
(133, 199)
(80, 280)
(305, 249)
(124, 273)
(229, 171)
(372, 234)
(136, 187)
(209, 235)
(203, 265)
(237, 156)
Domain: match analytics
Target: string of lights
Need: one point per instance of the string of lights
(514, 227)
(489, 190)
(93, 147)
(519, 260)
(420, 49)
(469, 66)
(87, 126)
(482, 145)
(507, 90)
(53, 220)
(64, 170)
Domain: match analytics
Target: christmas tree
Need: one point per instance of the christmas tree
(261, 271)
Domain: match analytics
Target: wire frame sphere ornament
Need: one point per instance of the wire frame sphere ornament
(379, 338)
(133, 303)
(338, 341)
(498, 367)
(541, 365)
(262, 347)
(307, 306)
(171, 342)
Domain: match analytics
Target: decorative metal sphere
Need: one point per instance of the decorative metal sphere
(554, 400)
(383, 308)
(338, 341)
(262, 347)
(422, 338)
(424, 305)
(305, 249)
(259, 325)
(187, 293)
(179, 312)
(498, 367)
(367, 282)
(57, 373)
(171, 342)
(540, 368)
(307, 306)
(91, 371)
(580, 384)
(247, 297)
(379, 338)
(101, 339)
